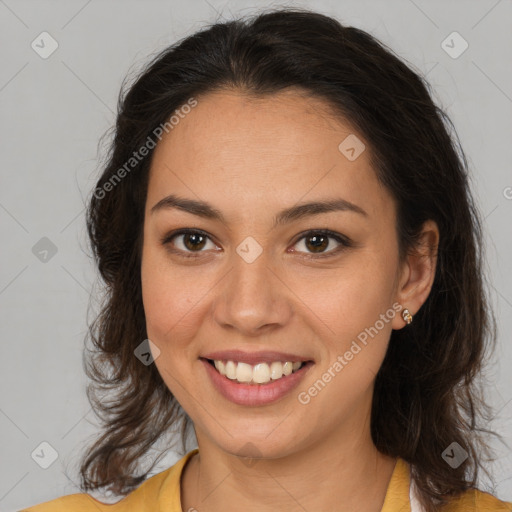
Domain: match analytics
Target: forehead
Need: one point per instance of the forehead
(285, 146)
(288, 121)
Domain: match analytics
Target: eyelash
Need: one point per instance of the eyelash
(341, 239)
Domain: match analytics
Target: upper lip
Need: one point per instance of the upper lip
(252, 358)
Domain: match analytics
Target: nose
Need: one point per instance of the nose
(252, 299)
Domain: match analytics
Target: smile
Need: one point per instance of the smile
(255, 385)
(260, 373)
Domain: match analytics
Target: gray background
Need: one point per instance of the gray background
(53, 112)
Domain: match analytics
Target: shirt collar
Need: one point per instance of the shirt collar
(397, 497)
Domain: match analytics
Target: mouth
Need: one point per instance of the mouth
(257, 384)
(258, 374)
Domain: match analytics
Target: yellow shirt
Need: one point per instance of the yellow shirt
(161, 493)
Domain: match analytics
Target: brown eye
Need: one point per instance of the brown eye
(187, 241)
(194, 241)
(317, 242)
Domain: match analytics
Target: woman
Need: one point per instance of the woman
(289, 245)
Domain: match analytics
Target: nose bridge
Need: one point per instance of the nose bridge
(252, 296)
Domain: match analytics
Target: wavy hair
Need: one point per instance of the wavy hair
(427, 393)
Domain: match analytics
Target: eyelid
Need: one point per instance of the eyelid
(343, 240)
(166, 239)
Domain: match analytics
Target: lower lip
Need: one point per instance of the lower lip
(255, 394)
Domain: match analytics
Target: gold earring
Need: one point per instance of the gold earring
(406, 315)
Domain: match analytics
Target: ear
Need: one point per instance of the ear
(417, 273)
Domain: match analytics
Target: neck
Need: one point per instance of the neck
(338, 474)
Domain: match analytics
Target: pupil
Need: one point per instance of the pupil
(318, 242)
(194, 245)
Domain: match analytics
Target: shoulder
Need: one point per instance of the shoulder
(83, 502)
(76, 502)
(164, 486)
(474, 500)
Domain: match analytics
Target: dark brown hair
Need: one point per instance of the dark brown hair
(427, 393)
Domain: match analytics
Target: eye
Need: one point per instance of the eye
(192, 241)
(318, 241)
(314, 241)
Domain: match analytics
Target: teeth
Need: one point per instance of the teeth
(243, 372)
(287, 368)
(276, 370)
(260, 373)
(230, 370)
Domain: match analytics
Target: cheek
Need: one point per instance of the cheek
(352, 298)
(357, 308)
(168, 302)
(171, 297)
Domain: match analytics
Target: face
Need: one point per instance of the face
(255, 280)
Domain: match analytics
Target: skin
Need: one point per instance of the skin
(250, 158)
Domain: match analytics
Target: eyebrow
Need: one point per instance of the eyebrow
(207, 211)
